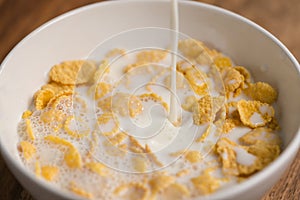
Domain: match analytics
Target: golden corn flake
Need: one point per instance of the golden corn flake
(132, 191)
(232, 79)
(205, 182)
(254, 113)
(193, 156)
(197, 80)
(98, 168)
(154, 97)
(262, 92)
(105, 119)
(222, 62)
(205, 109)
(118, 138)
(265, 152)
(180, 81)
(227, 155)
(73, 158)
(182, 173)
(126, 104)
(57, 87)
(152, 56)
(204, 135)
(160, 182)
(189, 102)
(244, 72)
(79, 191)
(135, 146)
(176, 191)
(57, 140)
(115, 52)
(49, 172)
(37, 168)
(191, 48)
(73, 72)
(102, 70)
(76, 133)
(26, 114)
(42, 97)
(230, 124)
(102, 89)
(27, 149)
(64, 95)
(139, 163)
(183, 66)
(29, 129)
(261, 134)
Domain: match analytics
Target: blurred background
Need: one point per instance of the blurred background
(280, 17)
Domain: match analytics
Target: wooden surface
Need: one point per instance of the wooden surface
(281, 18)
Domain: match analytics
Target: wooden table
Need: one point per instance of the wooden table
(20, 17)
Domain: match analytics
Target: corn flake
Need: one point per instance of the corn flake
(193, 156)
(42, 97)
(79, 191)
(262, 92)
(29, 129)
(232, 79)
(73, 158)
(205, 182)
(98, 168)
(26, 114)
(254, 113)
(73, 72)
(189, 102)
(176, 191)
(27, 149)
(49, 172)
(160, 183)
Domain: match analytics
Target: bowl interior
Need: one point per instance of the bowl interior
(75, 34)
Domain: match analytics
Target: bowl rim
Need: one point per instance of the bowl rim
(288, 153)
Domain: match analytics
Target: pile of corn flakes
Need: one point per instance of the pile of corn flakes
(54, 130)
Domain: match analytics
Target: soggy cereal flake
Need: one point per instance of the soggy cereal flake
(126, 104)
(58, 140)
(135, 146)
(152, 156)
(193, 156)
(116, 52)
(61, 96)
(183, 66)
(78, 133)
(189, 102)
(205, 109)
(26, 114)
(37, 169)
(53, 116)
(232, 79)
(180, 81)
(42, 97)
(73, 72)
(102, 89)
(49, 172)
(222, 63)
(154, 97)
(139, 163)
(27, 149)
(224, 148)
(204, 135)
(205, 182)
(118, 138)
(73, 158)
(132, 191)
(152, 56)
(266, 152)
(197, 80)
(29, 129)
(254, 113)
(102, 70)
(160, 182)
(182, 173)
(262, 92)
(79, 191)
(191, 48)
(98, 168)
(108, 118)
(261, 134)
(176, 191)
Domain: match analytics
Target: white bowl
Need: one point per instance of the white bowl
(74, 34)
